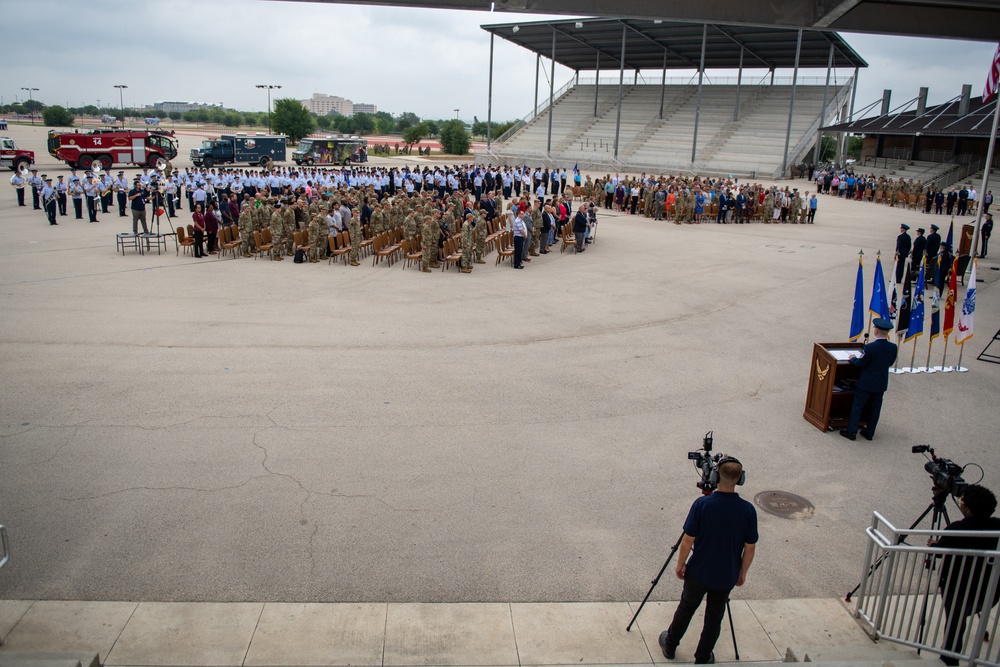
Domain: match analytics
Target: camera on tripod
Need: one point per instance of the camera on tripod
(708, 465)
(945, 473)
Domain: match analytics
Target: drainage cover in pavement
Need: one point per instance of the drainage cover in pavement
(784, 504)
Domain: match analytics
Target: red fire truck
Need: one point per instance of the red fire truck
(106, 147)
(13, 157)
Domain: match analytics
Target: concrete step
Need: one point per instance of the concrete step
(26, 659)
(874, 653)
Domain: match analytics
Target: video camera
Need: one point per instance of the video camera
(707, 465)
(945, 473)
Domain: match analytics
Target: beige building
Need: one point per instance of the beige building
(321, 105)
(364, 107)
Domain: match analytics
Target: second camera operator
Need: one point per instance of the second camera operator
(720, 536)
(964, 586)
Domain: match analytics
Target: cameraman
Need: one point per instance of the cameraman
(720, 535)
(964, 584)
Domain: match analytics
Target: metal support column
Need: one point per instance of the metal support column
(635, 79)
(822, 113)
(854, 92)
(489, 100)
(597, 82)
(697, 108)
(621, 85)
(772, 76)
(538, 62)
(739, 84)
(663, 84)
(791, 104)
(552, 93)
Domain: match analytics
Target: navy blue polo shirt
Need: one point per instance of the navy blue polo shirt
(720, 524)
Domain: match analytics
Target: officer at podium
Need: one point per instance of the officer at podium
(875, 361)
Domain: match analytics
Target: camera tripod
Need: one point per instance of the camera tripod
(939, 516)
(673, 552)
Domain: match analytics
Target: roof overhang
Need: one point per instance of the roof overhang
(942, 120)
(653, 44)
(955, 19)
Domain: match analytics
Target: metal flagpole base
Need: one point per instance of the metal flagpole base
(946, 369)
(961, 369)
(919, 369)
(933, 369)
(899, 371)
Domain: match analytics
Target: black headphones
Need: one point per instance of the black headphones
(713, 477)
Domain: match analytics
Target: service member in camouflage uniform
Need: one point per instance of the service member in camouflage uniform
(481, 238)
(467, 244)
(319, 232)
(277, 231)
(356, 239)
(428, 241)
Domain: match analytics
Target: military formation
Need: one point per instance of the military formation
(692, 200)
(898, 192)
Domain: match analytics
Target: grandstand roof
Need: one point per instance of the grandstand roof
(578, 42)
(961, 19)
(942, 120)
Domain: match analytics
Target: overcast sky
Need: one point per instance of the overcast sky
(430, 62)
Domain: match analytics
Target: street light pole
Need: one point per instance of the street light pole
(121, 100)
(269, 88)
(31, 111)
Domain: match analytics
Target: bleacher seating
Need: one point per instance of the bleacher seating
(754, 143)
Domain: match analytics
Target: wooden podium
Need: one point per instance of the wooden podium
(832, 379)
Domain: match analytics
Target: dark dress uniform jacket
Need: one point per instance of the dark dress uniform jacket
(903, 245)
(875, 363)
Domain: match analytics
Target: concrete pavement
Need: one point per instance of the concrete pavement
(182, 430)
(404, 634)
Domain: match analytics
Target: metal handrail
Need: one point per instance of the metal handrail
(898, 597)
(5, 545)
(810, 135)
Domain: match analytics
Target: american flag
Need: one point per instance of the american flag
(992, 78)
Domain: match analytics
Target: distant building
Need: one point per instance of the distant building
(321, 105)
(364, 107)
(181, 107)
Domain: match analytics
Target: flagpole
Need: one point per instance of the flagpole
(986, 177)
(913, 357)
(928, 369)
(944, 368)
(959, 368)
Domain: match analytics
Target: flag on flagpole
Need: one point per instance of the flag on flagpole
(935, 315)
(968, 309)
(916, 327)
(949, 304)
(903, 314)
(951, 235)
(576, 168)
(992, 77)
(858, 316)
(879, 305)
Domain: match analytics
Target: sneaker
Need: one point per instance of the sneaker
(669, 650)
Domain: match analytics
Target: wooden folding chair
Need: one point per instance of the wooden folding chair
(262, 247)
(506, 248)
(344, 247)
(183, 240)
(568, 239)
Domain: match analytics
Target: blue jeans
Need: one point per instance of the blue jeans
(715, 611)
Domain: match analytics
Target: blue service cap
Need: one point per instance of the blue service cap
(882, 324)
